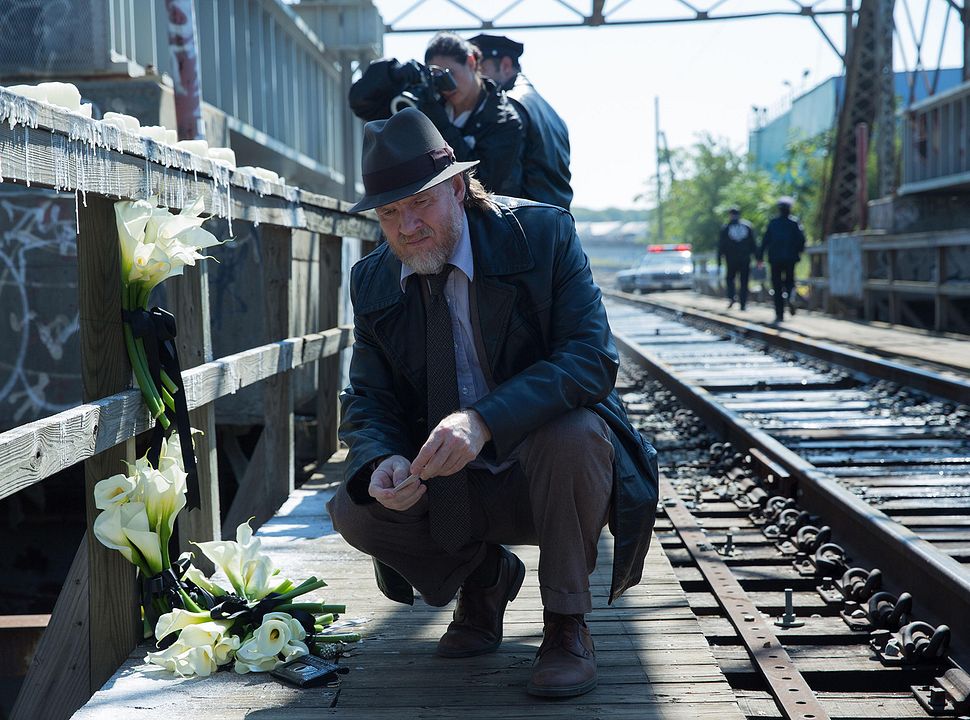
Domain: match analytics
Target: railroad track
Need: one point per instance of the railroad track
(791, 476)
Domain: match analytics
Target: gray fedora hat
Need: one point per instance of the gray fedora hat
(404, 155)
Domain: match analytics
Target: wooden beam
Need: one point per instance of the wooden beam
(328, 369)
(58, 682)
(189, 300)
(29, 453)
(277, 264)
(113, 608)
(251, 499)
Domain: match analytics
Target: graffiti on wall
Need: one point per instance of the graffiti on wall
(39, 354)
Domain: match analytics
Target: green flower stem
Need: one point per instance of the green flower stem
(284, 586)
(312, 607)
(335, 638)
(169, 383)
(324, 620)
(169, 400)
(145, 384)
(308, 585)
(187, 602)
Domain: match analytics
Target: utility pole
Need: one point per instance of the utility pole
(660, 212)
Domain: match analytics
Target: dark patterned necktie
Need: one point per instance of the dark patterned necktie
(450, 508)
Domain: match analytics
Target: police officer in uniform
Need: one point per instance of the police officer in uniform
(782, 244)
(736, 244)
(545, 171)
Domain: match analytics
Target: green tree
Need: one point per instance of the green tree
(802, 174)
(695, 204)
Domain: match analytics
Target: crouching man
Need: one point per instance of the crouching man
(481, 410)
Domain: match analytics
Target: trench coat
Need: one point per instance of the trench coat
(544, 343)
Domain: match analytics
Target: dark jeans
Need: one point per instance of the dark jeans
(741, 270)
(782, 283)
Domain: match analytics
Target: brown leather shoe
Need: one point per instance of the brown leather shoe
(565, 665)
(477, 625)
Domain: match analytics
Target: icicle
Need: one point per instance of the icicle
(27, 154)
(228, 204)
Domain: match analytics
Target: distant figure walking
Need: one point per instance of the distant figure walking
(545, 160)
(736, 244)
(782, 244)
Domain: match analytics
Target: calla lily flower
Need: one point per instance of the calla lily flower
(177, 620)
(251, 573)
(199, 649)
(112, 491)
(277, 640)
(197, 577)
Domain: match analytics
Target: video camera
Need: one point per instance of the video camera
(422, 80)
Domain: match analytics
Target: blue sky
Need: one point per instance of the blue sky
(603, 80)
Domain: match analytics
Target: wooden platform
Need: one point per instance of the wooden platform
(654, 662)
(896, 342)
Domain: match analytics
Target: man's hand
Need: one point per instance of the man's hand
(454, 443)
(384, 480)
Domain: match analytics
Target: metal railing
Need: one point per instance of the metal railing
(261, 63)
(935, 142)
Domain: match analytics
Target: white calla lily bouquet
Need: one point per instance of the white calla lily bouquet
(251, 620)
(155, 245)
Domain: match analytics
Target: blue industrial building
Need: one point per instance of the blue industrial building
(816, 111)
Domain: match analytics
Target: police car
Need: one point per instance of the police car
(663, 267)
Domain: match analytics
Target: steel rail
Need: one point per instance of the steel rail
(793, 695)
(950, 388)
(943, 585)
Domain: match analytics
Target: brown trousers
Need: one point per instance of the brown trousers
(556, 496)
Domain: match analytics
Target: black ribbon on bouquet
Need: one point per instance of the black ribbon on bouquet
(156, 328)
(237, 610)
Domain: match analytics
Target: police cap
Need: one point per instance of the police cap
(497, 46)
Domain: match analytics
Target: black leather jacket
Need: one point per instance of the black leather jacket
(548, 348)
(545, 162)
(783, 241)
(492, 135)
(736, 252)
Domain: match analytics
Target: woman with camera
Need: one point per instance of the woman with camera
(471, 113)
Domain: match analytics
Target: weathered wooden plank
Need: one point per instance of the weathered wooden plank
(189, 300)
(277, 264)
(871, 705)
(31, 452)
(104, 370)
(250, 493)
(58, 672)
(328, 370)
(654, 661)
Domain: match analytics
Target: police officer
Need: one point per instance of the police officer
(736, 244)
(545, 171)
(782, 244)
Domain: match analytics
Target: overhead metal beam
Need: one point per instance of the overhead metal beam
(599, 16)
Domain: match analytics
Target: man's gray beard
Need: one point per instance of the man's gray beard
(429, 263)
(432, 261)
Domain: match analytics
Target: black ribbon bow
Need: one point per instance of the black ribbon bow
(156, 328)
(238, 610)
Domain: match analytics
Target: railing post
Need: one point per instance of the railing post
(189, 300)
(276, 253)
(328, 371)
